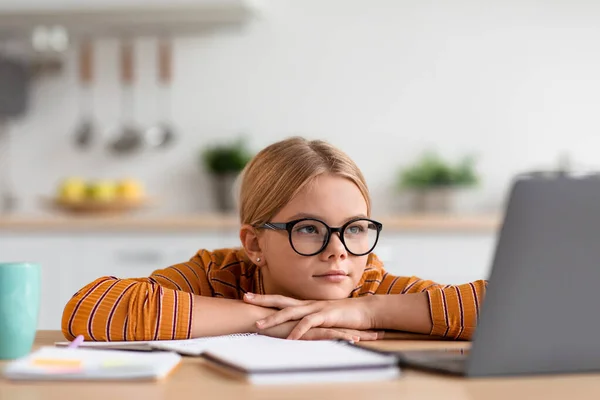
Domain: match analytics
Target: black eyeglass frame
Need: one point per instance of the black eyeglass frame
(289, 226)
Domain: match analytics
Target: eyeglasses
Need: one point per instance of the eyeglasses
(309, 236)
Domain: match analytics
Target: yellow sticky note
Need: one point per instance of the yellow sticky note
(50, 362)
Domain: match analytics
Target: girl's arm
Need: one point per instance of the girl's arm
(416, 305)
(215, 316)
(172, 303)
(402, 312)
(136, 309)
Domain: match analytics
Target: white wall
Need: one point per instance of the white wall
(516, 81)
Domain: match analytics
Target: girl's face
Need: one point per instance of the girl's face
(330, 274)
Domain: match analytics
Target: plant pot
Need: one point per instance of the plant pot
(432, 200)
(223, 195)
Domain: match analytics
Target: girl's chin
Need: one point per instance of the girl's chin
(331, 293)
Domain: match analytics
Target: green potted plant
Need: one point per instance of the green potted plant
(224, 161)
(433, 180)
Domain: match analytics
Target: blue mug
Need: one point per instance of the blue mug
(20, 284)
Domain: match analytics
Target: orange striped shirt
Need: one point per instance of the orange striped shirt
(160, 306)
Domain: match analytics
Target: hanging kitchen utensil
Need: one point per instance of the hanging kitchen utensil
(14, 94)
(162, 135)
(8, 199)
(128, 138)
(14, 86)
(85, 132)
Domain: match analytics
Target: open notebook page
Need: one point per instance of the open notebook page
(190, 347)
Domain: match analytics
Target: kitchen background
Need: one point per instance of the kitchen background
(513, 83)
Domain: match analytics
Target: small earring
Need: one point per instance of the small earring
(258, 259)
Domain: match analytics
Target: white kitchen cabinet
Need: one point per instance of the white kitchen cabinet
(448, 258)
(127, 255)
(57, 259)
(68, 5)
(121, 17)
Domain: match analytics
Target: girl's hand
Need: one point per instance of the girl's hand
(282, 331)
(346, 313)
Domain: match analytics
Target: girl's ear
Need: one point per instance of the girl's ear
(249, 239)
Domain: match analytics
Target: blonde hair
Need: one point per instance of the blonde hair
(278, 172)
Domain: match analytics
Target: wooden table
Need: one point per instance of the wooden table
(193, 380)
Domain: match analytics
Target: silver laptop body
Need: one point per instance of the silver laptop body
(541, 313)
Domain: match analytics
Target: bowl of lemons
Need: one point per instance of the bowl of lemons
(79, 195)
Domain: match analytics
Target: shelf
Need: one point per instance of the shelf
(469, 224)
(113, 18)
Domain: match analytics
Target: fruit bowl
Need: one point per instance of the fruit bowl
(91, 206)
(77, 195)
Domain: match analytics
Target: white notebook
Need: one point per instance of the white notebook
(52, 363)
(265, 360)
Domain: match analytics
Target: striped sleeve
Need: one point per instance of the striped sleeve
(454, 308)
(158, 307)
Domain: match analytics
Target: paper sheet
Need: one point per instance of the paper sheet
(190, 347)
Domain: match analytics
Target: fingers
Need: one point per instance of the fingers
(272, 300)
(362, 335)
(350, 335)
(285, 315)
(308, 322)
(329, 334)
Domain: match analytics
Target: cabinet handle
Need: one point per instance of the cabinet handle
(139, 257)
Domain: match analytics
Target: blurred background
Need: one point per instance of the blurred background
(123, 123)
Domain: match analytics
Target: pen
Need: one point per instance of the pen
(76, 342)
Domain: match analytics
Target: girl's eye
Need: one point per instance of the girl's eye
(355, 229)
(307, 229)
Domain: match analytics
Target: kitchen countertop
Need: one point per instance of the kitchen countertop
(469, 223)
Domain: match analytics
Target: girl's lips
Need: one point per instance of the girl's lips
(332, 273)
(332, 277)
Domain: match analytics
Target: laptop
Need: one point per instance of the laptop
(541, 313)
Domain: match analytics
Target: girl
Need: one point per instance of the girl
(305, 269)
